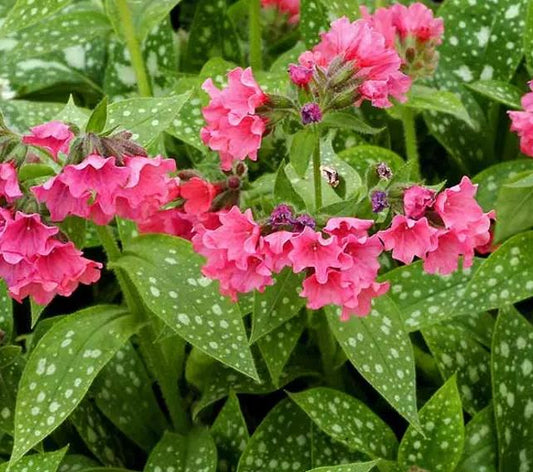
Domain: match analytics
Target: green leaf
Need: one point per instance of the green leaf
(505, 277)
(480, 444)
(153, 12)
(284, 189)
(512, 372)
(313, 20)
(73, 114)
(456, 351)
(34, 171)
(6, 313)
(277, 346)
(98, 118)
(123, 392)
(146, 118)
(338, 8)
(195, 452)
(21, 114)
(346, 120)
(230, 434)
(46, 462)
(440, 444)
(492, 178)
(302, 147)
(11, 366)
(76, 462)
(361, 158)
(348, 421)
(61, 368)
(277, 304)
(380, 349)
(356, 467)
(528, 38)
(499, 91)
(26, 13)
(166, 272)
(514, 206)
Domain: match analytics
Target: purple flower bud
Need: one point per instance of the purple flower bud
(384, 171)
(379, 201)
(311, 113)
(302, 221)
(281, 216)
(300, 75)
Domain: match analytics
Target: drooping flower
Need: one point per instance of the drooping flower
(522, 122)
(54, 136)
(9, 186)
(289, 7)
(300, 75)
(199, 195)
(171, 221)
(416, 200)
(233, 127)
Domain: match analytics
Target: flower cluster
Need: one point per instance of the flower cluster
(234, 128)
(413, 32)
(522, 122)
(340, 262)
(288, 7)
(439, 228)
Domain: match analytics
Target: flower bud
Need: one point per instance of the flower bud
(379, 201)
(281, 216)
(300, 75)
(311, 113)
(383, 171)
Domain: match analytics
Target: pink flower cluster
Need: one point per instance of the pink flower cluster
(54, 136)
(234, 129)
(340, 263)
(522, 122)
(289, 7)
(376, 64)
(439, 228)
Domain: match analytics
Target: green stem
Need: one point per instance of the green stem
(134, 48)
(150, 347)
(317, 175)
(256, 53)
(411, 146)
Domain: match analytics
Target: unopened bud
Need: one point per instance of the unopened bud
(300, 75)
(279, 102)
(384, 171)
(281, 216)
(234, 183)
(379, 201)
(311, 113)
(303, 221)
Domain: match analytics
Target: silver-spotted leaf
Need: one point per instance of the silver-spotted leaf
(46, 462)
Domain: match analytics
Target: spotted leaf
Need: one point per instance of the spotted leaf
(380, 349)
(62, 367)
(356, 467)
(499, 91)
(6, 313)
(28, 12)
(440, 444)
(21, 114)
(76, 463)
(361, 158)
(11, 366)
(46, 462)
(512, 374)
(166, 272)
(313, 20)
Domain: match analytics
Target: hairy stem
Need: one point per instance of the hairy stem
(411, 146)
(317, 176)
(256, 53)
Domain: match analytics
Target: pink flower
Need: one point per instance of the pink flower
(88, 190)
(148, 187)
(360, 303)
(312, 251)
(199, 195)
(376, 64)
(416, 200)
(276, 248)
(290, 7)
(9, 186)
(344, 226)
(363, 253)
(330, 292)
(172, 221)
(233, 127)
(444, 259)
(300, 75)
(54, 136)
(522, 122)
(409, 238)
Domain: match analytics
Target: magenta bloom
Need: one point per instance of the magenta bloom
(276, 248)
(54, 136)
(445, 258)
(172, 221)
(416, 200)
(300, 75)
(376, 64)
(344, 226)
(522, 123)
(409, 238)
(9, 186)
(289, 7)
(199, 195)
(233, 127)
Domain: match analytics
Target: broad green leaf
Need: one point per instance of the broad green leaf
(26, 12)
(284, 189)
(73, 114)
(356, 467)
(313, 20)
(21, 114)
(123, 392)
(34, 171)
(195, 452)
(146, 118)
(492, 178)
(512, 389)
(440, 444)
(62, 367)
(424, 299)
(76, 463)
(348, 421)
(277, 304)
(75, 228)
(302, 147)
(153, 12)
(97, 433)
(230, 434)
(6, 313)
(338, 8)
(380, 349)
(277, 346)
(528, 38)
(166, 272)
(505, 277)
(363, 157)
(349, 121)
(327, 452)
(479, 325)
(11, 366)
(480, 444)
(514, 206)
(499, 91)
(46, 462)
(456, 351)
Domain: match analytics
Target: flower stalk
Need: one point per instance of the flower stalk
(317, 174)
(411, 145)
(256, 54)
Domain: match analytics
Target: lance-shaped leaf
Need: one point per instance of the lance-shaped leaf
(6, 313)
(26, 12)
(11, 366)
(512, 375)
(355, 467)
(499, 91)
(362, 157)
(46, 462)
(76, 462)
(62, 367)
(166, 272)
(440, 444)
(313, 20)
(380, 349)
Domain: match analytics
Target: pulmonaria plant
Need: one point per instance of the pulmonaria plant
(522, 122)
